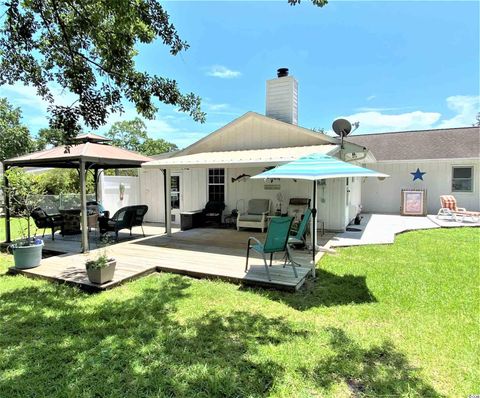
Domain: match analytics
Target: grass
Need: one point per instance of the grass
(398, 320)
(16, 225)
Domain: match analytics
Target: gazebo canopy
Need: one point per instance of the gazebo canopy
(92, 154)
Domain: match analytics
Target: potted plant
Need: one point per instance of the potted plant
(101, 269)
(24, 197)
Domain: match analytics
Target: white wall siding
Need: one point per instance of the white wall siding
(151, 194)
(384, 196)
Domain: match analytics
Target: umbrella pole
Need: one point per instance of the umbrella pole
(314, 225)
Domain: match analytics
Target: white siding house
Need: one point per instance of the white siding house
(450, 159)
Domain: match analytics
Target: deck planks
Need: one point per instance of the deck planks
(200, 253)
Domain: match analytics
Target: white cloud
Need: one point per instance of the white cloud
(223, 72)
(371, 97)
(466, 108)
(375, 120)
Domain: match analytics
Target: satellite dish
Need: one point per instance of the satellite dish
(342, 127)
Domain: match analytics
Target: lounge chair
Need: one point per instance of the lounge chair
(450, 210)
(44, 220)
(256, 215)
(125, 218)
(275, 241)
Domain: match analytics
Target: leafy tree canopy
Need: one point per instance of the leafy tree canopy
(15, 138)
(48, 137)
(132, 135)
(88, 47)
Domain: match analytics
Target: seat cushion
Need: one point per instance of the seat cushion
(251, 217)
(258, 206)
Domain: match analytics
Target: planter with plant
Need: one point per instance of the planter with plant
(101, 269)
(25, 197)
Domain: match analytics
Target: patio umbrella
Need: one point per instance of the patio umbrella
(314, 167)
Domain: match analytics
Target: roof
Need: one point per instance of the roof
(318, 166)
(94, 155)
(90, 137)
(249, 157)
(453, 143)
(255, 131)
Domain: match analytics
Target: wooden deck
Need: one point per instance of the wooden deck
(200, 253)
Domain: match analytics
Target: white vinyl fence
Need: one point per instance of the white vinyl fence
(52, 203)
(116, 192)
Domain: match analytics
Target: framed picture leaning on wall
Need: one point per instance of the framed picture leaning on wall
(414, 202)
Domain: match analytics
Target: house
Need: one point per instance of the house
(218, 166)
(448, 161)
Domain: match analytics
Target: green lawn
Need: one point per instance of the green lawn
(393, 320)
(16, 225)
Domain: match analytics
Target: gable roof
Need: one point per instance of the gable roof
(452, 143)
(255, 131)
(242, 158)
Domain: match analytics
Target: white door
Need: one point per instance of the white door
(176, 197)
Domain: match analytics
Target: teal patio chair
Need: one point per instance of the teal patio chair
(299, 238)
(276, 241)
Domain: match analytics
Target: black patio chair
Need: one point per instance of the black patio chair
(212, 213)
(44, 220)
(125, 218)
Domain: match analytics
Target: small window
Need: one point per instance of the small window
(216, 185)
(462, 179)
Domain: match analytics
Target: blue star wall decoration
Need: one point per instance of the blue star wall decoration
(418, 175)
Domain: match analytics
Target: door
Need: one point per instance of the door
(176, 197)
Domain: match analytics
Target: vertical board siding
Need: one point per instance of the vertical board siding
(384, 196)
(110, 192)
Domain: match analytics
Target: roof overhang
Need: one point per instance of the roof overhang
(242, 158)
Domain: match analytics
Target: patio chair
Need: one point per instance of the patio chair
(256, 215)
(450, 210)
(275, 241)
(44, 220)
(299, 238)
(212, 213)
(125, 218)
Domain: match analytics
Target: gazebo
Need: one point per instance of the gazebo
(87, 152)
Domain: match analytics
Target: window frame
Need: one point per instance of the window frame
(472, 178)
(224, 171)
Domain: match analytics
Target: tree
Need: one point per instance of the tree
(15, 138)
(477, 121)
(88, 47)
(154, 147)
(132, 135)
(49, 137)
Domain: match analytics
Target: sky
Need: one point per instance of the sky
(391, 66)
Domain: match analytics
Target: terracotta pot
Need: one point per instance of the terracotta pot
(102, 275)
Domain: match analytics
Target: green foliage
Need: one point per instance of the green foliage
(59, 181)
(49, 137)
(99, 263)
(15, 138)
(132, 135)
(153, 147)
(24, 196)
(88, 47)
(395, 320)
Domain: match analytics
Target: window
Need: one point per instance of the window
(462, 179)
(175, 192)
(216, 185)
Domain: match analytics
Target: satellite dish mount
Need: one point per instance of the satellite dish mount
(342, 128)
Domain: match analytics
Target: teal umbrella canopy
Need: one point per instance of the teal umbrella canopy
(318, 166)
